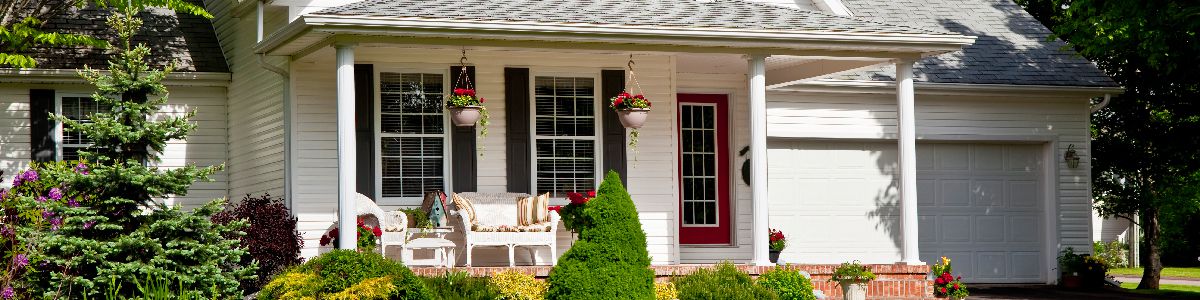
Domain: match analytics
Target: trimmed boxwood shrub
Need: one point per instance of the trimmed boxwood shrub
(725, 282)
(460, 286)
(348, 275)
(610, 260)
(272, 238)
(787, 284)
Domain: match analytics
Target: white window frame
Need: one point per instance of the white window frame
(717, 164)
(597, 134)
(59, 127)
(378, 134)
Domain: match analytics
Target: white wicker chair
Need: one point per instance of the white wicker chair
(394, 224)
(496, 209)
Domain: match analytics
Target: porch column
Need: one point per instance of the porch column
(908, 160)
(347, 192)
(758, 156)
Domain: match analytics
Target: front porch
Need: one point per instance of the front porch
(894, 281)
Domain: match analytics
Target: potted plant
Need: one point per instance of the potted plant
(466, 109)
(1092, 270)
(1069, 264)
(368, 237)
(778, 242)
(632, 111)
(945, 285)
(853, 277)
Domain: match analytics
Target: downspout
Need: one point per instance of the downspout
(287, 106)
(1102, 104)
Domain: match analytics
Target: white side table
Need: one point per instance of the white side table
(443, 251)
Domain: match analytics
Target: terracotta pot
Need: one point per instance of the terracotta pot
(854, 289)
(633, 117)
(774, 256)
(465, 116)
(1071, 281)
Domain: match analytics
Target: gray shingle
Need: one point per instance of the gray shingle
(725, 14)
(186, 39)
(1012, 48)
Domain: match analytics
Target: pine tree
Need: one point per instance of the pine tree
(120, 233)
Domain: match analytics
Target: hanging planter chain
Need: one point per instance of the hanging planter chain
(464, 82)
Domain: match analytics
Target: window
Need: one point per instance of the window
(412, 134)
(75, 108)
(698, 164)
(564, 135)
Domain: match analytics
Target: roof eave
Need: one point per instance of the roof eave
(732, 40)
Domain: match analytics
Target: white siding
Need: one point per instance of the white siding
(255, 108)
(651, 175)
(1109, 229)
(871, 116)
(205, 146)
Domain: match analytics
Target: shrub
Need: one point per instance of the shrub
(272, 238)
(350, 274)
(787, 284)
(610, 260)
(460, 286)
(852, 271)
(1112, 252)
(724, 282)
(514, 285)
(665, 291)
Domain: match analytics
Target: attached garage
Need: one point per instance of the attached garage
(981, 204)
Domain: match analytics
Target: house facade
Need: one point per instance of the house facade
(881, 132)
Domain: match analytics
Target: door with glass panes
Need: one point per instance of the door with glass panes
(704, 210)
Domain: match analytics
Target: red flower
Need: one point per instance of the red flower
(376, 231)
(554, 208)
(481, 100)
(577, 198)
(639, 96)
(943, 290)
(956, 286)
(623, 95)
(939, 281)
(618, 101)
(591, 194)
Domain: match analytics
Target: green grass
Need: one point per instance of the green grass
(1168, 290)
(1167, 272)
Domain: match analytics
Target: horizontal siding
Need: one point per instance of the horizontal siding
(651, 168)
(203, 147)
(873, 116)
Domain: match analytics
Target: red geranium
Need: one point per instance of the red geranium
(555, 208)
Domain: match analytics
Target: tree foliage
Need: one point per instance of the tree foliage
(1144, 145)
(21, 24)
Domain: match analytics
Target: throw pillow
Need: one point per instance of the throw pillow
(465, 207)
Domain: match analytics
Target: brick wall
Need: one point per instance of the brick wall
(893, 282)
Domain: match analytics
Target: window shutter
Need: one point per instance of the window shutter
(463, 159)
(41, 127)
(364, 128)
(612, 82)
(516, 114)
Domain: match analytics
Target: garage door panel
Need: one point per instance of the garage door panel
(989, 229)
(985, 157)
(926, 225)
(1026, 265)
(956, 228)
(1023, 193)
(991, 265)
(926, 192)
(987, 193)
(954, 192)
(1023, 229)
(951, 157)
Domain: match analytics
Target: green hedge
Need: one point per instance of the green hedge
(787, 284)
(344, 274)
(724, 282)
(609, 261)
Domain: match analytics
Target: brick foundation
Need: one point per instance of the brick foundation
(893, 282)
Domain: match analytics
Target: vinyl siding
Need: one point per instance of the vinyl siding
(255, 109)
(652, 171)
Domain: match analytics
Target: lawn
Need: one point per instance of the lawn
(1168, 290)
(1167, 272)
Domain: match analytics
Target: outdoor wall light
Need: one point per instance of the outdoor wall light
(1071, 157)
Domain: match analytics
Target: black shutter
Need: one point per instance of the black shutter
(463, 159)
(41, 127)
(516, 115)
(364, 128)
(612, 82)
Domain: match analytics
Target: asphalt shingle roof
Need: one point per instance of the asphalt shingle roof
(1012, 47)
(189, 40)
(724, 14)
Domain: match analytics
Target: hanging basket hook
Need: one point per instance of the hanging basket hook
(630, 63)
(463, 60)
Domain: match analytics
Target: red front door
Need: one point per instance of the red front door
(705, 216)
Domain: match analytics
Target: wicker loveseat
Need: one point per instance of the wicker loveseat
(495, 224)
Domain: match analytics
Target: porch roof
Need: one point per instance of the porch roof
(706, 26)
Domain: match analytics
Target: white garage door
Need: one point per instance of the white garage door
(980, 204)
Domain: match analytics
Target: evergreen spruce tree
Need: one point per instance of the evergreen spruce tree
(610, 260)
(118, 233)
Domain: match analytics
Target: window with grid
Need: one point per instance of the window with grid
(77, 108)
(698, 164)
(564, 135)
(412, 133)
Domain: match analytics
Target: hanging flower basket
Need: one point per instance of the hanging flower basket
(632, 109)
(465, 108)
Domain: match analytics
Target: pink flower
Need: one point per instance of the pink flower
(56, 194)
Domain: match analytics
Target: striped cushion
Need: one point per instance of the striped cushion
(523, 210)
(465, 206)
(541, 208)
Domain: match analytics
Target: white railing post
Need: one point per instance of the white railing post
(907, 144)
(346, 160)
(758, 156)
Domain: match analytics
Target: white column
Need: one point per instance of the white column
(908, 160)
(347, 191)
(758, 156)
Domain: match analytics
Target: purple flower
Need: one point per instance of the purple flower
(28, 176)
(41, 199)
(3, 193)
(56, 194)
(47, 214)
(72, 203)
(6, 231)
(89, 224)
(20, 260)
(81, 168)
(55, 223)
(7, 293)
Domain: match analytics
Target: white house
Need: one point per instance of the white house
(960, 153)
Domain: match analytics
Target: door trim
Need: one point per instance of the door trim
(722, 233)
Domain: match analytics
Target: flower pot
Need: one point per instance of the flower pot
(466, 115)
(633, 117)
(854, 289)
(1071, 281)
(774, 256)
